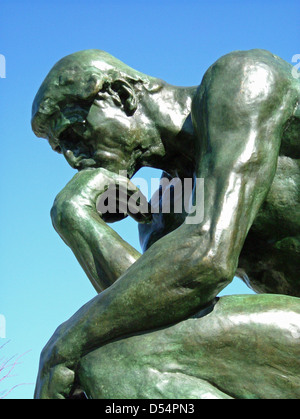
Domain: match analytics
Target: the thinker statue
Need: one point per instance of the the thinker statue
(156, 329)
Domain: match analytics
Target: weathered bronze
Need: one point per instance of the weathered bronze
(240, 132)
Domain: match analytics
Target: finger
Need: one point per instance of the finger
(139, 208)
(123, 198)
(124, 183)
(134, 202)
(141, 217)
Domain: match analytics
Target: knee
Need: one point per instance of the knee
(250, 75)
(238, 61)
(239, 71)
(237, 91)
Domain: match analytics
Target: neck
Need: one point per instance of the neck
(170, 142)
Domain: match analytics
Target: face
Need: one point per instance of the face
(95, 133)
(87, 109)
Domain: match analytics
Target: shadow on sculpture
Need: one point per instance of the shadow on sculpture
(156, 328)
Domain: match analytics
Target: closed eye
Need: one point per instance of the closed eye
(69, 137)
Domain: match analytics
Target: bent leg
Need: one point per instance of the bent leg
(239, 112)
(246, 347)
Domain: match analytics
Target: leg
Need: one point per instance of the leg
(253, 352)
(239, 112)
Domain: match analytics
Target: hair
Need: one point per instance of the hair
(80, 77)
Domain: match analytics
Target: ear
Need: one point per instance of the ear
(126, 95)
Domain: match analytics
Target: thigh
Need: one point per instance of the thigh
(245, 347)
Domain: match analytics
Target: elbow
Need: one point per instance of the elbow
(62, 215)
(55, 216)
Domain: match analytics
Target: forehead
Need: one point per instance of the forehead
(69, 81)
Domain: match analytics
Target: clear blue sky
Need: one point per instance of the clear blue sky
(41, 282)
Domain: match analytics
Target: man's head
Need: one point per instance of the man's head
(85, 109)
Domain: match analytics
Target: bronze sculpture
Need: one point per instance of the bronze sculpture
(240, 131)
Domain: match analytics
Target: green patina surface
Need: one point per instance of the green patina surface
(239, 131)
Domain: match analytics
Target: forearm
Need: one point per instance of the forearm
(158, 290)
(102, 253)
